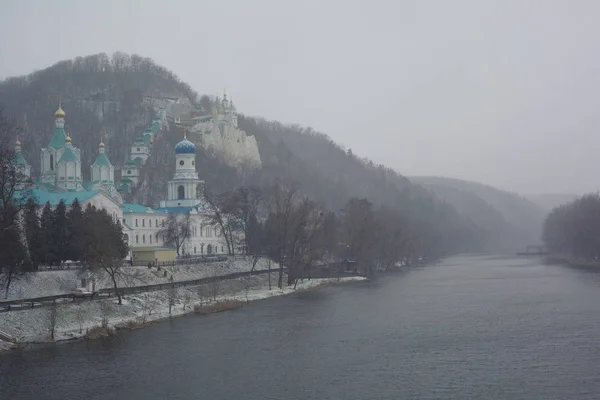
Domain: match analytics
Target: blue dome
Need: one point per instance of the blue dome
(185, 147)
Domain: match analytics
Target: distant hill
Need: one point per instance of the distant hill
(549, 201)
(115, 97)
(509, 220)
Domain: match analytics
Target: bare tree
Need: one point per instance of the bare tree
(219, 211)
(80, 316)
(280, 222)
(177, 231)
(148, 306)
(52, 313)
(105, 312)
(172, 297)
(215, 284)
(14, 191)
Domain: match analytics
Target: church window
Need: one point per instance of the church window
(150, 222)
(143, 238)
(123, 220)
(136, 222)
(128, 172)
(180, 192)
(194, 249)
(150, 237)
(156, 238)
(181, 163)
(201, 230)
(201, 249)
(193, 163)
(222, 251)
(137, 238)
(51, 162)
(138, 149)
(143, 222)
(156, 223)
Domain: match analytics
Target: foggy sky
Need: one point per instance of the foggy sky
(502, 92)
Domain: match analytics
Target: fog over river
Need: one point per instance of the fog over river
(467, 328)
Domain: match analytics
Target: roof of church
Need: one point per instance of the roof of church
(135, 208)
(42, 197)
(58, 139)
(185, 147)
(19, 159)
(173, 210)
(101, 160)
(68, 156)
(138, 161)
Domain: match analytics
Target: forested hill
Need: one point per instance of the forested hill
(510, 222)
(102, 96)
(108, 96)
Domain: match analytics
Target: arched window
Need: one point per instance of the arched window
(136, 222)
(144, 238)
(137, 238)
(194, 249)
(143, 222)
(180, 192)
(51, 162)
(150, 222)
(150, 237)
(201, 249)
(209, 249)
(201, 230)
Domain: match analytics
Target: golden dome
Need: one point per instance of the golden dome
(18, 142)
(59, 113)
(101, 144)
(68, 139)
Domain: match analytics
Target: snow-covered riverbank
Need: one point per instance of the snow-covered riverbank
(75, 320)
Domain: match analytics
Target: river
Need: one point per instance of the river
(467, 328)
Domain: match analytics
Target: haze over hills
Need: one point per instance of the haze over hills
(115, 97)
(508, 219)
(548, 201)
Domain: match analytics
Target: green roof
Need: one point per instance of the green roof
(139, 140)
(69, 156)
(131, 164)
(147, 130)
(135, 208)
(42, 197)
(19, 159)
(138, 161)
(58, 139)
(155, 127)
(102, 160)
(147, 138)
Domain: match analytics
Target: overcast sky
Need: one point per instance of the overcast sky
(504, 92)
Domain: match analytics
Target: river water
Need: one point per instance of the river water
(467, 328)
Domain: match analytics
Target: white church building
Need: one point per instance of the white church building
(60, 179)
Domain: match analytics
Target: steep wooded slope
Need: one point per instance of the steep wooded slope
(510, 221)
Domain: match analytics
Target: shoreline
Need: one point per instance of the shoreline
(571, 261)
(140, 311)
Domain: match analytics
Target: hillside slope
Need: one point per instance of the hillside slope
(116, 97)
(510, 221)
(549, 201)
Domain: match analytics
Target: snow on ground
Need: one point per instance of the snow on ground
(49, 283)
(73, 320)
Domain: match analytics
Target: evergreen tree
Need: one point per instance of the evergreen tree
(33, 234)
(75, 232)
(13, 256)
(49, 250)
(60, 231)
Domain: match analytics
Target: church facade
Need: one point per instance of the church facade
(61, 179)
